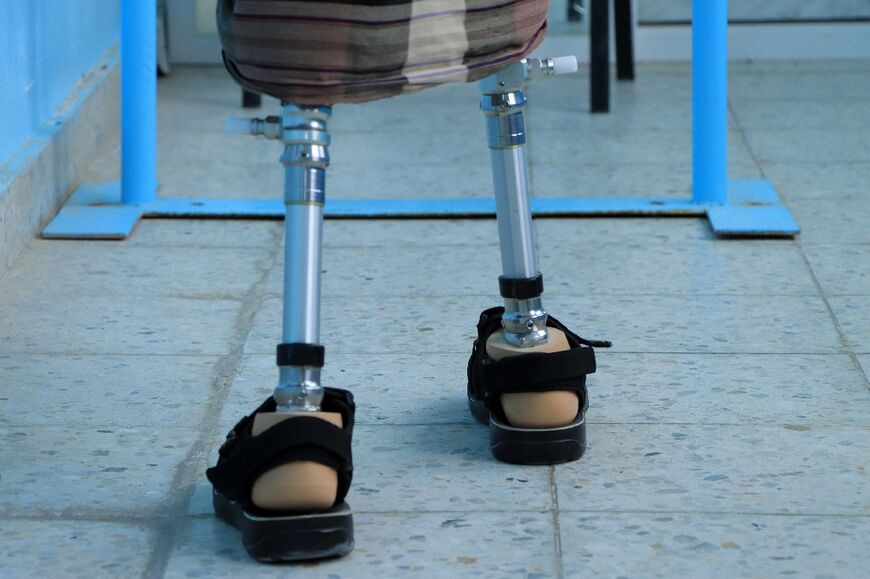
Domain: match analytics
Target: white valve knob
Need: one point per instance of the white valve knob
(564, 64)
(240, 126)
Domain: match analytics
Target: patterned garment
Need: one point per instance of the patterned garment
(333, 51)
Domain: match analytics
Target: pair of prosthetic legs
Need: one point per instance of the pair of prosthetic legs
(285, 470)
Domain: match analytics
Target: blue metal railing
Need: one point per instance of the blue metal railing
(737, 207)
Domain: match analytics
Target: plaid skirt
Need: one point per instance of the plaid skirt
(334, 51)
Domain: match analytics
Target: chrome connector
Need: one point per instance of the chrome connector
(514, 76)
(298, 389)
(504, 119)
(525, 322)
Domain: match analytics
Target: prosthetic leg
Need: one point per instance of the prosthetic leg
(285, 469)
(527, 373)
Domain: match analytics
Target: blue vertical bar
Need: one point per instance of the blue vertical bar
(138, 101)
(710, 102)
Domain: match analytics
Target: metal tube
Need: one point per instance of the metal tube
(513, 212)
(303, 238)
(710, 102)
(524, 321)
(138, 101)
(305, 158)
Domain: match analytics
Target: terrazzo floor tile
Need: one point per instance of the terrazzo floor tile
(88, 268)
(428, 176)
(726, 546)
(802, 114)
(809, 145)
(821, 221)
(210, 233)
(723, 324)
(627, 388)
(426, 545)
(409, 233)
(207, 162)
(484, 232)
(375, 325)
(798, 84)
(635, 323)
(662, 147)
(841, 269)
(90, 471)
(93, 324)
(554, 104)
(422, 467)
(104, 391)
(853, 313)
(823, 181)
(439, 467)
(728, 389)
(566, 232)
(716, 268)
(457, 149)
(400, 388)
(609, 178)
(72, 549)
(396, 271)
(719, 469)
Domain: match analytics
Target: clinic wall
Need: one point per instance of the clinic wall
(47, 47)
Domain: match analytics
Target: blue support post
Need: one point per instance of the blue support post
(138, 101)
(111, 210)
(710, 102)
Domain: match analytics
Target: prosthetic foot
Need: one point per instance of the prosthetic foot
(527, 372)
(284, 471)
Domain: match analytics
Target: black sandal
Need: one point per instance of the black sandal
(488, 379)
(273, 536)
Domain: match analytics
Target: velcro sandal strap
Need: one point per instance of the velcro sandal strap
(296, 438)
(538, 372)
(244, 457)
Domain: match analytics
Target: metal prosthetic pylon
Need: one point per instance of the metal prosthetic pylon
(303, 130)
(521, 283)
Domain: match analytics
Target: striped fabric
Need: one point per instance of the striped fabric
(333, 51)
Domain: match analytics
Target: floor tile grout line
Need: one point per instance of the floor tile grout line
(224, 372)
(759, 165)
(557, 527)
(844, 340)
(153, 522)
(469, 422)
(820, 293)
(440, 353)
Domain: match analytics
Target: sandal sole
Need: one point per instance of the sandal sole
(532, 446)
(289, 538)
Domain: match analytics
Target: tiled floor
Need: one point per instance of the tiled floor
(729, 427)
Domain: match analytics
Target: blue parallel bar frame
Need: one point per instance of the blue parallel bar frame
(710, 102)
(138, 102)
(112, 210)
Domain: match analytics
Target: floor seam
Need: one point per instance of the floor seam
(557, 526)
(844, 340)
(224, 372)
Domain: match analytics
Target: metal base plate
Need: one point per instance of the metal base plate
(753, 209)
(95, 211)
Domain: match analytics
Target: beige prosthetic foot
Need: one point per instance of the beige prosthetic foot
(296, 486)
(535, 409)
